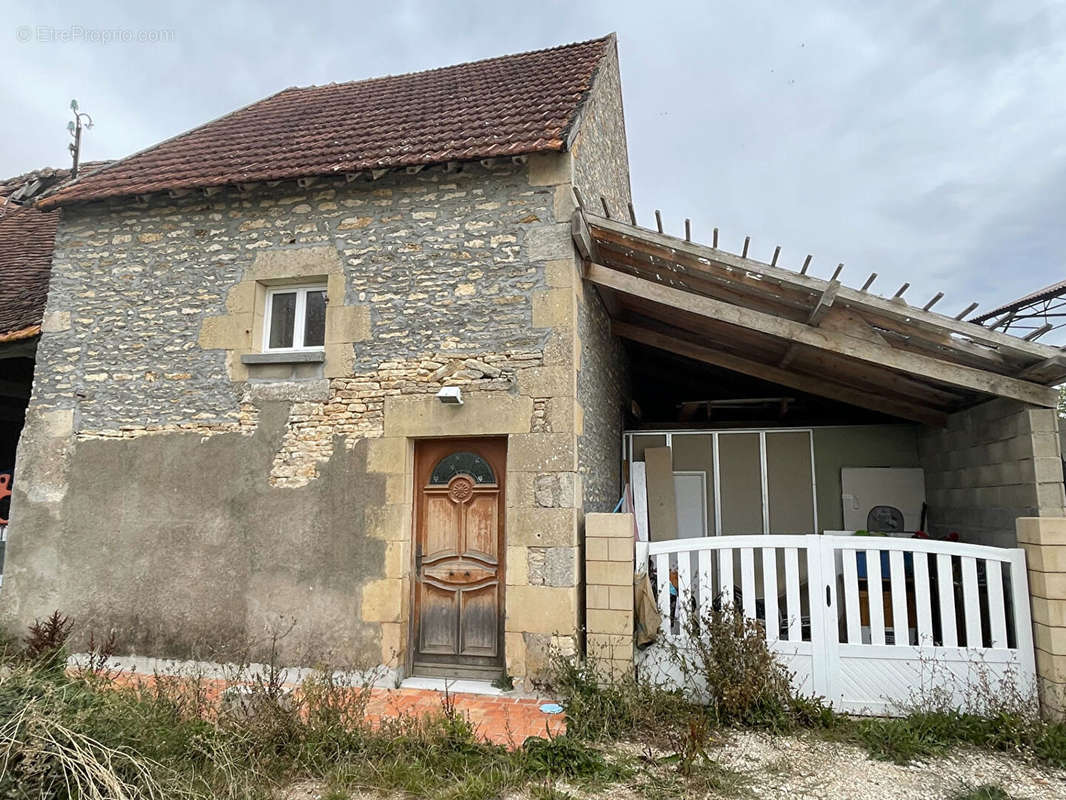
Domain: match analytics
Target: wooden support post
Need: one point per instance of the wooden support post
(966, 311)
(837, 271)
(869, 282)
(606, 210)
(777, 252)
(688, 230)
(714, 239)
(747, 241)
(806, 264)
(632, 214)
(659, 220)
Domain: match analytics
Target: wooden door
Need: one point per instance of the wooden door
(458, 603)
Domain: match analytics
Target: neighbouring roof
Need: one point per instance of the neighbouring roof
(507, 106)
(26, 239)
(27, 236)
(1047, 293)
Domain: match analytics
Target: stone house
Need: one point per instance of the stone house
(362, 362)
(237, 376)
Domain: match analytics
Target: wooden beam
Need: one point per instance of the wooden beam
(862, 301)
(936, 341)
(825, 302)
(579, 230)
(963, 377)
(1033, 335)
(821, 308)
(792, 379)
(1047, 371)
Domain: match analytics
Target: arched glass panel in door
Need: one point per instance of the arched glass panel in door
(462, 464)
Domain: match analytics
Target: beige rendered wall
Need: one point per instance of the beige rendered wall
(856, 446)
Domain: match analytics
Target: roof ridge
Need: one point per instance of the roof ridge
(478, 61)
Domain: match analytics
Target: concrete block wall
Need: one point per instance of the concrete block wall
(609, 592)
(1044, 541)
(990, 465)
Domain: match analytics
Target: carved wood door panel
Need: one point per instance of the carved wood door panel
(458, 545)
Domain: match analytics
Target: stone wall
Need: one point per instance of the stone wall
(599, 151)
(601, 168)
(992, 464)
(153, 452)
(443, 263)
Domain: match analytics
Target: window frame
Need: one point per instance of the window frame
(299, 321)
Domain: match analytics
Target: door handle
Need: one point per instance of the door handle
(418, 558)
(828, 596)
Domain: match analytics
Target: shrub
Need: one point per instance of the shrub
(46, 643)
(626, 707)
(725, 655)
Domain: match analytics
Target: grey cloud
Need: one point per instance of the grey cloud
(923, 140)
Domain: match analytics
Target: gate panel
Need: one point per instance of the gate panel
(871, 624)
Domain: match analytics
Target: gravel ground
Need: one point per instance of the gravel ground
(807, 767)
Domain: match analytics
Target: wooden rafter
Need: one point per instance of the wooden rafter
(748, 271)
(952, 374)
(811, 385)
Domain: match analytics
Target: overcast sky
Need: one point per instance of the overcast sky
(924, 141)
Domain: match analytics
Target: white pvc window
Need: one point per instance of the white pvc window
(294, 319)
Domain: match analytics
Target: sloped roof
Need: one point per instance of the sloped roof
(512, 105)
(26, 240)
(27, 237)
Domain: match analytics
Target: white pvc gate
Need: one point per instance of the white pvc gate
(869, 623)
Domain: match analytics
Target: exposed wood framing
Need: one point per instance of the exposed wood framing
(965, 377)
(671, 247)
(790, 378)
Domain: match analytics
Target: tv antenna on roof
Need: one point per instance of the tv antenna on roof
(74, 127)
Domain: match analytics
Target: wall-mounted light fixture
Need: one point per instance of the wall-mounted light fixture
(450, 395)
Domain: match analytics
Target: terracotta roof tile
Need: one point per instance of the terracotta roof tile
(504, 106)
(26, 240)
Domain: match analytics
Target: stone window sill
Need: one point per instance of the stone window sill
(310, 357)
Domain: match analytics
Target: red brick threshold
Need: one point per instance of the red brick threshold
(497, 718)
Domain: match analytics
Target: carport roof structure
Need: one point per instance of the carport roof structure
(810, 334)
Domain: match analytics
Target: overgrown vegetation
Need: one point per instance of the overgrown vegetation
(740, 684)
(91, 733)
